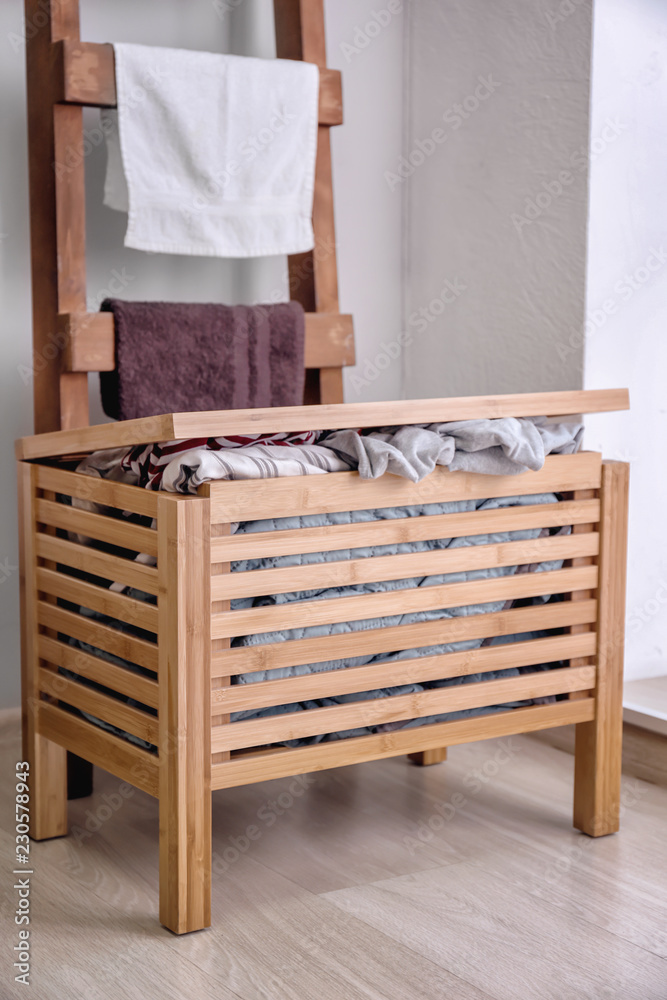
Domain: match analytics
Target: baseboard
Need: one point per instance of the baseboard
(644, 752)
(636, 715)
(645, 704)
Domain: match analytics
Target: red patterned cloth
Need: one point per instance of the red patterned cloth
(148, 461)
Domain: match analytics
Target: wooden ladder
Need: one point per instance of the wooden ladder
(65, 74)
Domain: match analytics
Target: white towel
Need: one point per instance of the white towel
(216, 153)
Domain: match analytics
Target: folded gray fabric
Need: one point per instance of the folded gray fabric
(505, 446)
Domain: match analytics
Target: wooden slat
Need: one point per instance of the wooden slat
(89, 341)
(217, 645)
(329, 340)
(398, 602)
(185, 691)
(244, 770)
(107, 602)
(313, 276)
(330, 110)
(425, 758)
(83, 557)
(345, 491)
(47, 761)
(597, 770)
(334, 537)
(114, 754)
(325, 265)
(86, 75)
(102, 491)
(300, 30)
(102, 706)
(582, 595)
(138, 651)
(250, 697)
(126, 682)
(248, 659)
(223, 423)
(374, 569)
(400, 708)
(145, 430)
(104, 529)
(57, 216)
(416, 411)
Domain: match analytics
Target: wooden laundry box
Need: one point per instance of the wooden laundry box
(189, 630)
(184, 693)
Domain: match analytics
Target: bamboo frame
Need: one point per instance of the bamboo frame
(192, 668)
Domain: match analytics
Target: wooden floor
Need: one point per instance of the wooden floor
(384, 881)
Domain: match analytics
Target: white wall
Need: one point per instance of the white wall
(627, 297)
(369, 220)
(365, 41)
(497, 208)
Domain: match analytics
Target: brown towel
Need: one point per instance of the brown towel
(174, 357)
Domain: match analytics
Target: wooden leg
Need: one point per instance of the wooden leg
(47, 781)
(426, 757)
(184, 604)
(597, 769)
(47, 778)
(79, 777)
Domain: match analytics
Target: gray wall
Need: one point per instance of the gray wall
(496, 199)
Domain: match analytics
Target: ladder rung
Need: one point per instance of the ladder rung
(88, 341)
(85, 74)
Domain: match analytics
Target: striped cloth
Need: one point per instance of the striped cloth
(181, 466)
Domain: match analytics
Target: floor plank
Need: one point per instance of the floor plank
(380, 882)
(507, 942)
(83, 946)
(346, 828)
(270, 937)
(610, 882)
